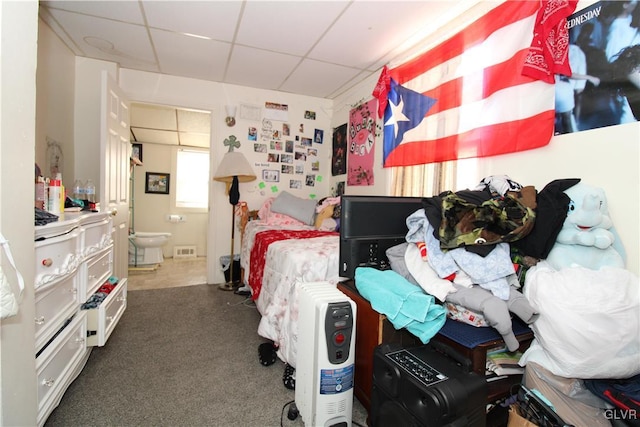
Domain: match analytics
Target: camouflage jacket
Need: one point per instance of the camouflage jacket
(499, 219)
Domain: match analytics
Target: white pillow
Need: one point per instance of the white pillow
(301, 209)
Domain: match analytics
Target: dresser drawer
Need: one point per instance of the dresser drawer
(59, 364)
(103, 319)
(54, 304)
(97, 236)
(99, 268)
(57, 256)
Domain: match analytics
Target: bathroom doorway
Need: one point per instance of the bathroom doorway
(161, 136)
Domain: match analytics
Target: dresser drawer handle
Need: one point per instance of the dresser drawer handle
(48, 382)
(47, 262)
(109, 319)
(92, 276)
(80, 340)
(121, 299)
(39, 320)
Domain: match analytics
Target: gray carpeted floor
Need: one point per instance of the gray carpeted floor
(185, 356)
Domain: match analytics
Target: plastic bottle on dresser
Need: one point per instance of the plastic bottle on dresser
(78, 190)
(41, 194)
(63, 196)
(53, 200)
(90, 190)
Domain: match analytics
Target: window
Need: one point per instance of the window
(434, 178)
(423, 180)
(192, 178)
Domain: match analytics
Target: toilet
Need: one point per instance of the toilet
(146, 247)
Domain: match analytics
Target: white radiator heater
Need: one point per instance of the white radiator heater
(325, 361)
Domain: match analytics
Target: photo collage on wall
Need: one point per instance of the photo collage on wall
(291, 158)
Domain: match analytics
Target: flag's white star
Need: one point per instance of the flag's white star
(396, 116)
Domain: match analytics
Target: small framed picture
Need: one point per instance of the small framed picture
(136, 151)
(157, 183)
(271, 175)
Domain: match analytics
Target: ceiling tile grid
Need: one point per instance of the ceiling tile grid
(313, 48)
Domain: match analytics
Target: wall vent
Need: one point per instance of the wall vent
(184, 252)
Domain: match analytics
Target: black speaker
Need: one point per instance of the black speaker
(422, 386)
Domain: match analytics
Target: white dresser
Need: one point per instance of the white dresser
(74, 260)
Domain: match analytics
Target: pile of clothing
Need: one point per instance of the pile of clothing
(101, 294)
(468, 241)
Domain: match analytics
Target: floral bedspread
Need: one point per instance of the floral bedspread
(251, 230)
(289, 262)
(261, 244)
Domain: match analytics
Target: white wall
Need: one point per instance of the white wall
(54, 109)
(193, 93)
(18, 32)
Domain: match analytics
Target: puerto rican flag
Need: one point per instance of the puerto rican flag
(468, 97)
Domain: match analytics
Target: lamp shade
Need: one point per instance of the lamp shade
(234, 164)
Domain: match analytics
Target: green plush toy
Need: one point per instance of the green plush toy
(588, 237)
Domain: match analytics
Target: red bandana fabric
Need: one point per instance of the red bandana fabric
(548, 54)
(381, 90)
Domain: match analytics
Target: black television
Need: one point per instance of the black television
(369, 225)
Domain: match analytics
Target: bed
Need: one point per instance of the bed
(278, 251)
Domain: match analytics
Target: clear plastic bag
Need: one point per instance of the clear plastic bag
(9, 302)
(589, 322)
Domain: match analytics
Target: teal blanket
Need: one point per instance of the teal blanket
(405, 304)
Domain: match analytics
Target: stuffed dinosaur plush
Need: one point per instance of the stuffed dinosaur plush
(588, 237)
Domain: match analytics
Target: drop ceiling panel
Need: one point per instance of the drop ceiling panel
(259, 68)
(161, 124)
(155, 136)
(153, 117)
(362, 75)
(214, 19)
(363, 33)
(194, 121)
(325, 78)
(292, 27)
(189, 56)
(109, 40)
(194, 140)
(125, 11)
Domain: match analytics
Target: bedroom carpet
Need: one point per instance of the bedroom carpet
(185, 356)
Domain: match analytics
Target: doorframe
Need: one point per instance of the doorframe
(210, 233)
